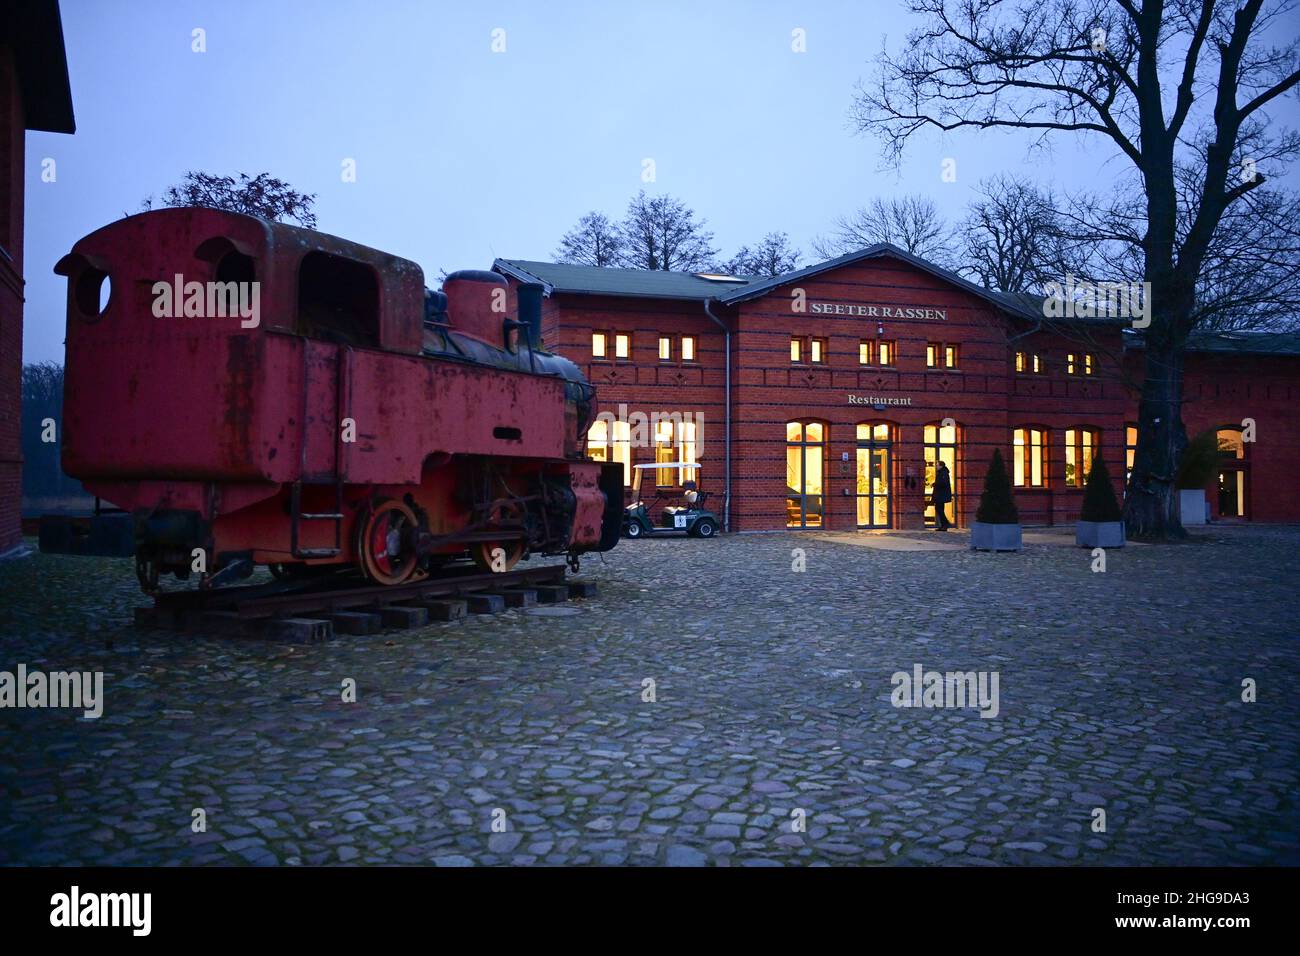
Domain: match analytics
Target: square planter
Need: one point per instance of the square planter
(1099, 534)
(1191, 505)
(994, 537)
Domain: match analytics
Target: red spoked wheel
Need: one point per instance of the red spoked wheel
(385, 542)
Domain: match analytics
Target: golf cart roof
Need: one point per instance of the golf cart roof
(669, 464)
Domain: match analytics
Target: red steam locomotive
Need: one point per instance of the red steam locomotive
(255, 393)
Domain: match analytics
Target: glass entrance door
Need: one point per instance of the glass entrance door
(1232, 493)
(1234, 474)
(941, 446)
(873, 477)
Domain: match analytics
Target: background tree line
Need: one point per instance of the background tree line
(45, 487)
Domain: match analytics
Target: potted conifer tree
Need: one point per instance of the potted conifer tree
(1100, 522)
(997, 522)
(1199, 462)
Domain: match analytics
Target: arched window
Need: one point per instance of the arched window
(1081, 446)
(1029, 457)
(805, 468)
(874, 471)
(942, 444)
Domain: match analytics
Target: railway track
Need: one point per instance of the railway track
(309, 611)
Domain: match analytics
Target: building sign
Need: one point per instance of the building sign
(878, 311)
(878, 400)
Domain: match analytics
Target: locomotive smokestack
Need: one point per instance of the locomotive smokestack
(529, 300)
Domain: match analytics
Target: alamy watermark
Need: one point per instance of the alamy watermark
(208, 300)
(954, 689)
(83, 690)
(1084, 299)
(649, 429)
(75, 908)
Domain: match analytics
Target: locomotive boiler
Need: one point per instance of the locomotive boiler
(252, 393)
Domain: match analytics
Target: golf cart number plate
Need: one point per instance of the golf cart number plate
(679, 521)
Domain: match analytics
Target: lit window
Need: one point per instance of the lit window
(1087, 363)
(1080, 449)
(931, 355)
(622, 449)
(805, 462)
(886, 353)
(864, 352)
(950, 356)
(1230, 443)
(600, 448)
(688, 348)
(622, 345)
(598, 440)
(665, 348)
(1130, 449)
(796, 350)
(818, 350)
(1069, 363)
(1020, 361)
(663, 452)
(687, 437)
(597, 344)
(1036, 363)
(1029, 458)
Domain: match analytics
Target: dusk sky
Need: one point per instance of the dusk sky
(463, 154)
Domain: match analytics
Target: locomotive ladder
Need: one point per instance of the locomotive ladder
(342, 382)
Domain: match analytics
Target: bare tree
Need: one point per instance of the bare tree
(261, 195)
(910, 222)
(1014, 240)
(773, 256)
(660, 232)
(594, 241)
(1250, 276)
(42, 415)
(1171, 84)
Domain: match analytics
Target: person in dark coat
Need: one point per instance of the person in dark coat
(941, 495)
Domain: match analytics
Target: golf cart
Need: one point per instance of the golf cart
(690, 518)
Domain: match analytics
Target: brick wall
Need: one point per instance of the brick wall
(642, 382)
(1221, 390)
(984, 395)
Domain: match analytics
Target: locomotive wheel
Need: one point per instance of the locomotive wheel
(384, 550)
(483, 552)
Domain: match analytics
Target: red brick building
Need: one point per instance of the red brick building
(34, 94)
(850, 379)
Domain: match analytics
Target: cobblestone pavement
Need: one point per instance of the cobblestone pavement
(1120, 691)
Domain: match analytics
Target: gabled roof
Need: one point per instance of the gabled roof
(1008, 303)
(604, 280)
(33, 29)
